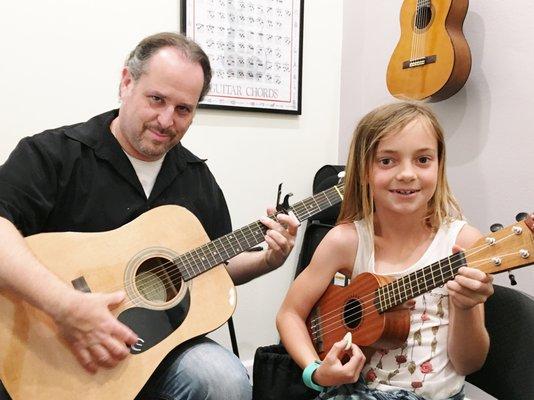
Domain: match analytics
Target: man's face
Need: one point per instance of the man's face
(158, 108)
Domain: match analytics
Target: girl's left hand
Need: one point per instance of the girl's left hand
(470, 288)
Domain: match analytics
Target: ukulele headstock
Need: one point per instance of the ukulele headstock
(504, 249)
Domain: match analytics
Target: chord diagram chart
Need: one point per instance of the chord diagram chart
(254, 50)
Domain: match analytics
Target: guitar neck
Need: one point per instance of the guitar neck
(209, 255)
(510, 248)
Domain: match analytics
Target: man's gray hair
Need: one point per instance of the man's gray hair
(140, 56)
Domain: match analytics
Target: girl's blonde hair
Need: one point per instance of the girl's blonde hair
(358, 200)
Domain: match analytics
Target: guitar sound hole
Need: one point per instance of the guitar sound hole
(158, 280)
(423, 17)
(352, 313)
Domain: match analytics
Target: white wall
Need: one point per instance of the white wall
(60, 64)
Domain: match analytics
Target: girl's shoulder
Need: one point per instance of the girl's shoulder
(467, 236)
(344, 234)
(338, 248)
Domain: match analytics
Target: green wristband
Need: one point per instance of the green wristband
(307, 376)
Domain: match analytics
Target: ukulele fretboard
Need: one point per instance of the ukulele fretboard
(418, 282)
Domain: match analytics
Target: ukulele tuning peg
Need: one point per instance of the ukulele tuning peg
(496, 227)
(513, 282)
(521, 216)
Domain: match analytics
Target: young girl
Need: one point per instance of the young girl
(398, 215)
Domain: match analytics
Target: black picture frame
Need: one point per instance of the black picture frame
(255, 50)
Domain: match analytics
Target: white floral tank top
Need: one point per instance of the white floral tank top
(422, 364)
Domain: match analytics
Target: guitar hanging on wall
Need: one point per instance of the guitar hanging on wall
(432, 59)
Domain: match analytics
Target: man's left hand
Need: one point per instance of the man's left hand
(280, 237)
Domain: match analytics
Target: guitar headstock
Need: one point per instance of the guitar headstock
(506, 249)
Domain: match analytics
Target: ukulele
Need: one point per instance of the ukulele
(177, 288)
(432, 59)
(365, 307)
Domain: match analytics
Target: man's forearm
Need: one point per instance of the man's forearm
(23, 274)
(247, 266)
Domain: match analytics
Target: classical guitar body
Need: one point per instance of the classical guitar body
(353, 309)
(432, 59)
(36, 364)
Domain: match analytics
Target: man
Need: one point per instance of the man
(103, 173)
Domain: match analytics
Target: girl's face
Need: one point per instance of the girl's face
(404, 171)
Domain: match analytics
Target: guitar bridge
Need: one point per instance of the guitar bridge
(419, 62)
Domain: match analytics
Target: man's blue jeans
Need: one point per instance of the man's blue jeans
(199, 369)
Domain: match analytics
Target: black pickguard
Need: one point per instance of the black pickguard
(152, 326)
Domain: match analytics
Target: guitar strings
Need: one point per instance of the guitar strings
(355, 316)
(414, 33)
(159, 270)
(473, 250)
(371, 296)
(422, 15)
(189, 257)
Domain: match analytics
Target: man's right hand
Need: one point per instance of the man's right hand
(94, 335)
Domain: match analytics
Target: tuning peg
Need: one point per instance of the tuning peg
(521, 216)
(496, 227)
(513, 282)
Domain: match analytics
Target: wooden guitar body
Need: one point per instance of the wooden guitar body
(351, 309)
(176, 285)
(36, 364)
(432, 59)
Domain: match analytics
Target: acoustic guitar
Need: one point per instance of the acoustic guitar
(364, 307)
(432, 59)
(176, 285)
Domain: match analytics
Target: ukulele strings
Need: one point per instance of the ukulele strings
(356, 315)
(369, 298)
(473, 250)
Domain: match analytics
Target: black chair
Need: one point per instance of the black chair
(319, 225)
(509, 369)
(507, 373)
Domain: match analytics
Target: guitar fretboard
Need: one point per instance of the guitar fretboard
(207, 256)
(418, 282)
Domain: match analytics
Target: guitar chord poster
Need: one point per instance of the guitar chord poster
(254, 47)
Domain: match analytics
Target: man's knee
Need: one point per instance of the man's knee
(228, 385)
(203, 370)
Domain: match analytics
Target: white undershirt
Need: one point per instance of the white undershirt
(147, 172)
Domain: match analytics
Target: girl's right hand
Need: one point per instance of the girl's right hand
(333, 372)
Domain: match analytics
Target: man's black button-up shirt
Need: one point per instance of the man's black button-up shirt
(78, 178)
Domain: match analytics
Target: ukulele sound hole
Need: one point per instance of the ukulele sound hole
(158, 280)
(423, 17)
(352, 313)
